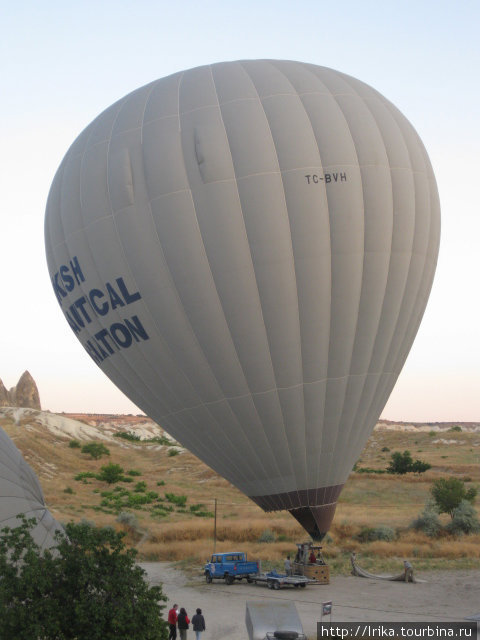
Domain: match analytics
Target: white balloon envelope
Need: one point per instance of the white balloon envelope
(21, 494)
(246, 249)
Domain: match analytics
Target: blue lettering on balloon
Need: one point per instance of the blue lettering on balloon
(115, 299)
(100, 310)
(98, 302)
(67, 279)
(127, 296)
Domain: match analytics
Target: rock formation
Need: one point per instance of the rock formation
(4, 400)
(25, 394)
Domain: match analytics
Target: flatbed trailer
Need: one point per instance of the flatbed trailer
(276, 580)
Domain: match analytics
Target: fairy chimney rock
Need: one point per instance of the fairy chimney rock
(4, 401)
(25, 394)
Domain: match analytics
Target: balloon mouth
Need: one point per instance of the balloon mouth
(312, 508)
(315, 520)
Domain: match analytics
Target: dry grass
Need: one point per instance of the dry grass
(367, 500)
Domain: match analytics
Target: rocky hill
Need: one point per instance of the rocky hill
(24, 394)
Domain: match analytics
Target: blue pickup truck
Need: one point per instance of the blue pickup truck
(230, 567)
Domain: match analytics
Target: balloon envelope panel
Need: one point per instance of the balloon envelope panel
(246, 249)
(20, 493)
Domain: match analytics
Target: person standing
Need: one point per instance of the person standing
(198, 623)
(288, 566)
(172, 622)
(183, 623)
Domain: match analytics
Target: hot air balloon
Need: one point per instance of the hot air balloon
(20, 493)
(246, 249)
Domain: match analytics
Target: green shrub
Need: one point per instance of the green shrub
(385, 449)
(402, 463)
(127, 435)
(128, 519)
(464, 519)
(161, 483)
(173, 452)
(68, 490)
(370, 534)
(179, 500)
(427, 521)
(140, 486)
(134, 472)
(95, 449)
(74, 444)
(456, 428)
(84, 475)
(267, 536)
(111, 473)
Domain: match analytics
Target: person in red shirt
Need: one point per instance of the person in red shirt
(172, 622)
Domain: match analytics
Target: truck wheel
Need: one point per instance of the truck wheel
(208, 578)
(303, 585)
(249, 580)
(296, 586)
(276, 585)
(269, 584)
(229, 579)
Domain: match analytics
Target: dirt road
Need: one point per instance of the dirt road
(445, 597)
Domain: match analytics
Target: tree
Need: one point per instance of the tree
(95, 449)
(400, 462)
(88, 587)
(111, 473)
(403, 463)
(448, 493)
(464, 519)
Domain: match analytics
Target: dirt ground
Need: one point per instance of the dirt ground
(445, 597)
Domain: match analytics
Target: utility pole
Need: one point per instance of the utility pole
(215, 528)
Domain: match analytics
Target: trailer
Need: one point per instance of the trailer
(276, 580)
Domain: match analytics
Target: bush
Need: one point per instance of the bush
(84, 475)
(427, 521)
(140, 487)
(95, 449)
(456, 428)
(419, 466)
(68, 490)
(402, 463)
(464, 519)
(128, 519)
(382, 532)
(267, 536)
(89, 587)
(448, 493)
(173, 452)
(111, 473)
(180, 500)
(127, 435)
(134, 472)
(74, 444)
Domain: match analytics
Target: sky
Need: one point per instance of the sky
(62, 63)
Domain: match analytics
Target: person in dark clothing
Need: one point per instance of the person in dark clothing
(172, 622)
(183, 623)
(198, 622)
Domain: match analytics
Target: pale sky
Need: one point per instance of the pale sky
(62, 63)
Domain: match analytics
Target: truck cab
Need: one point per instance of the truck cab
(230, 566)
